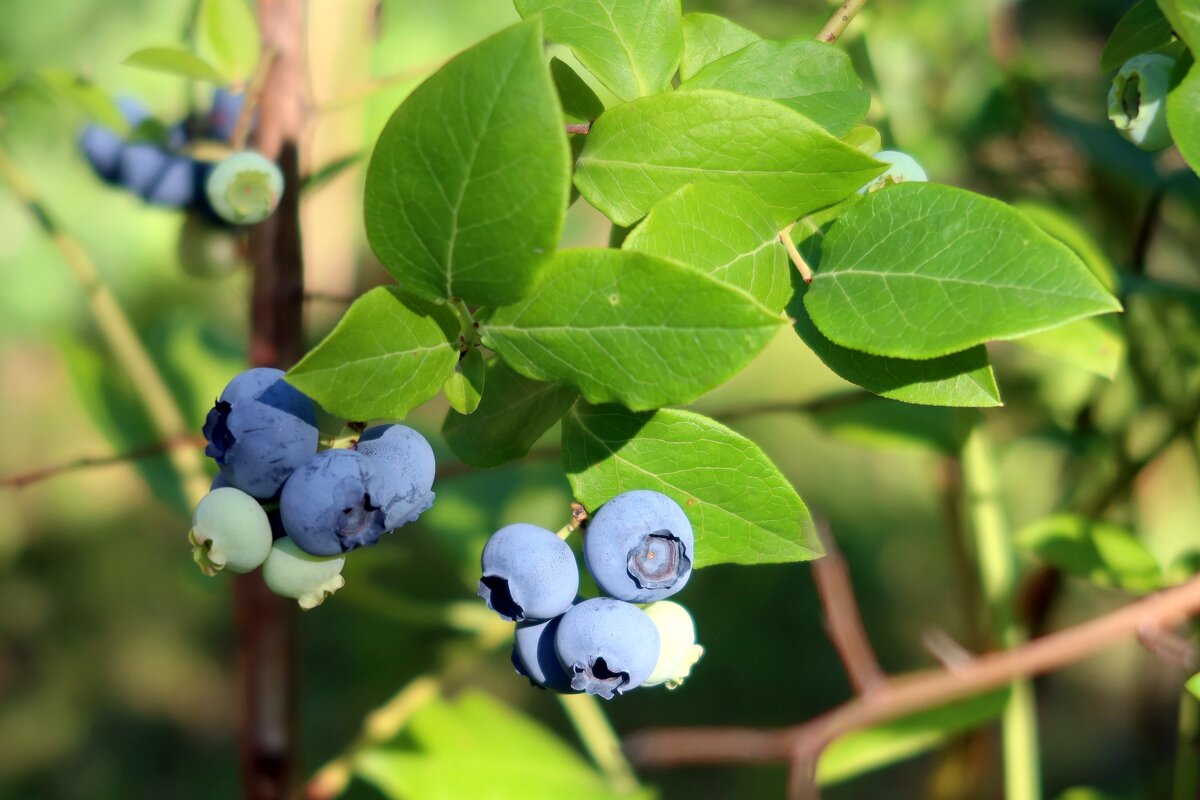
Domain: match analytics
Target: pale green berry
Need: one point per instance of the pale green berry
(678, 651)
(904, 169)
(245, 188)
(306, 578)
(1137, 100)
(230, 531)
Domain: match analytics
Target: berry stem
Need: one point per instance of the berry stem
(600, 740)
(785, 236)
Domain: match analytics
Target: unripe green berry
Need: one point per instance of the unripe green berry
(904, 169)
(245, 188)
(230, 531)
(678, 651)
(1137, 100)
(308, 579)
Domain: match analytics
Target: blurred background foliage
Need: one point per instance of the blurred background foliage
(116, 654)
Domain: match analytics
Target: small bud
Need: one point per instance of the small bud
(1137, 99)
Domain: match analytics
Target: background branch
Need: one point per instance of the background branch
(837, 24)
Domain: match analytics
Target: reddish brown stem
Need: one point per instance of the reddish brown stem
(22, 479)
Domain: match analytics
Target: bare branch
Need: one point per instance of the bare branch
(22, 479)
(837, 24)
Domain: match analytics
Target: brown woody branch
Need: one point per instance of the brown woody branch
(22, 479)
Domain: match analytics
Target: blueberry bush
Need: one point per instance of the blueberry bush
(638, 288)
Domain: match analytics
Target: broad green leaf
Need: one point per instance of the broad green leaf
(512, 415)
(464, 387)
(1071, 233)
(1183, 116)
(862, 751)
(175, 61)
(631, 46)
(742, 508)
(388, 354)
(1095, 344)
(707, 37)
(815, 78)
(467, 187)
(640, 152)
(1184, 16)
(723, 231)
(622, 326)
(85, 96)
(920, 270)
(1141, 30)
(579, 102)
(1193, 685)
(228, 33)
(1104, 554)
(959, 379)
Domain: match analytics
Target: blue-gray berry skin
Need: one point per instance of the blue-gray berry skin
(608, 647)
(260, 430)
(535, 657)
(407, 464)
(102, 146)
(226, 109)
(528, 573)
(140, 165)
(175, 185)
(639, 547)
(334, 503)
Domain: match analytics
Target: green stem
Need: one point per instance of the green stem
(118, 333)
(997, 572)
(600, 739)
(1187, 750)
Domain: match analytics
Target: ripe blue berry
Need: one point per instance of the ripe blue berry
(534, 655)
(528, 573)
(175, 185)
(230, 531)
(308, 579)
(608, 647)
(904, 169)
(260, 430)
(102, 146)
(140, 165)
(639, 546)
(245, 188)
(1137, 100)
(407, 464)
(335, 503)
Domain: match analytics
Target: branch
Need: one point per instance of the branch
(581, 127)
(22, 479)
(917, 691)
(836, 25)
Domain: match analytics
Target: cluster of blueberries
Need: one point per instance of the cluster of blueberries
(638, 549)
(280, 504)
(153, 163)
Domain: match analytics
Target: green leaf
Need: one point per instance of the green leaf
(1141, 30)
(626, 327)
(467, 187)
(742, 508)
(815, 78)
(228, 32)
(1183, 116)
(388, 354)
(866, 750)
(512, 415)
(175, 61)
(1193, 685)
(632, 46)
(920, 270)
(86, 97)
(723, 231)
(707, 37)
(1184, 16)
(959, 379)
(864, 138)
(640, 152)
(1104, 554)
(464, 387)
(579, 102)
(1068, 231)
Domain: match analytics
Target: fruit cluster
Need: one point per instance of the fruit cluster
(168, 166)
(638, 549)
(281, 504)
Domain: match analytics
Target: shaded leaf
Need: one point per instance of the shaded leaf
(579, 102)
(1104, 554)
(707, 37)
(228, 32)
(175, 61)
(1142, 29)
(464, 387)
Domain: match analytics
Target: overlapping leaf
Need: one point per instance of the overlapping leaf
(707, 37)
(623, 326)
(467, 187)
(1102, 553)
(1142, 30)
(1183, 114)
(742, 508)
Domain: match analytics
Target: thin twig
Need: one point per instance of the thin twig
(836, 25)
(581, 127)
(843, 623)
(22, 479)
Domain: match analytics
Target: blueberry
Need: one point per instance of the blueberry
(140, 165)
(534, 656)
(1137, 100)
(260, 430)
(175, 185)
(639, 547)
(904, 169)
(335, 503)
(678, 651)
(230, 531)
(245, 188)
(607, 646)
(407, 463)
(226, 109)
(528, 573)
(308, 579)
(102, 148)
